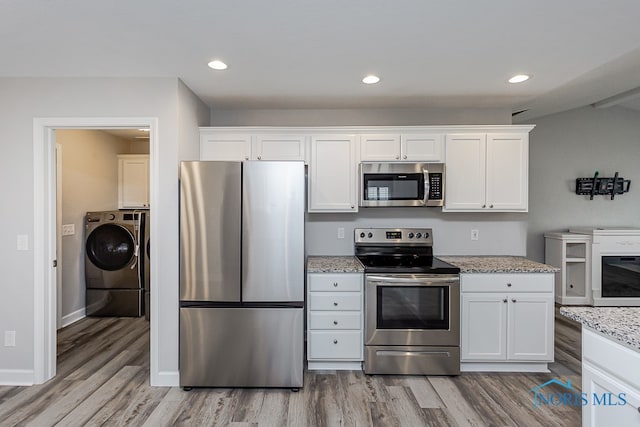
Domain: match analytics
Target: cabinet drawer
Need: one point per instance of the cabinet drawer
(507, 282)
(335, 320)
(335, 282)
(335, 345)
(335, 301)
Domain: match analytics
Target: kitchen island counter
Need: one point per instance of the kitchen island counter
(334, 264)
(497, 264)
(619, 323)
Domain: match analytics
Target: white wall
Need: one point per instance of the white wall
(575, 144)
(89, 183)
(22, 100)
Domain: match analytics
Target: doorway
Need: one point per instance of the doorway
(45, 227)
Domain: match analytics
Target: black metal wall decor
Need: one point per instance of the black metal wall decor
(597, 186)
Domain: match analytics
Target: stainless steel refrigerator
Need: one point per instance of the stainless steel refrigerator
(241, 274)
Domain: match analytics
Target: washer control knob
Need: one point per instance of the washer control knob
(418, 235)
(112, 217)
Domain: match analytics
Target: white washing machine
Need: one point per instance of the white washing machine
(114, 275)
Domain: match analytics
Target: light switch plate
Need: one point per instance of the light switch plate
(68, 229)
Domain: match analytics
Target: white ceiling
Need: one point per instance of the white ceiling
(314, 53)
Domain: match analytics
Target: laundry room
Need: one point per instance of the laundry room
(103, 220)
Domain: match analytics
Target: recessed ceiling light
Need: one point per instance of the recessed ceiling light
(519, 78)
(371, 79)
(217, 65)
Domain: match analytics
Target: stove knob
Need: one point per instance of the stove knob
(362, 235)
(426, 235)
(370, 235)
(418, 235)
(411, 235)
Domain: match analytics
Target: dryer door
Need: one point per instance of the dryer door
(110, 247)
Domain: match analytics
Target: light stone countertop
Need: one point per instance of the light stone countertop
(334, 264)
(497, 264)
(620, 323)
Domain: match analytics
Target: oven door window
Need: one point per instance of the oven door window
(412, 307)
(408, 186)
(620, 276)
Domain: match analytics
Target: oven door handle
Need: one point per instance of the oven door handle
(432, 280)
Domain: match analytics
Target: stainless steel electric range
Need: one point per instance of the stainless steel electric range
(412, 303)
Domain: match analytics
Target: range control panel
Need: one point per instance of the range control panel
(422, 236)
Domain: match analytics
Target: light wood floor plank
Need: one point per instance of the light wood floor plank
(424, 393)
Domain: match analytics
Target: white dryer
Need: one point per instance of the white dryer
(113, 272)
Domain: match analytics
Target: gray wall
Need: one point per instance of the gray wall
(575, 144)
(24, 99)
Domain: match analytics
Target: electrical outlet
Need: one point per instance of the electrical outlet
(9, 338)
(68, 229)
(474, 234)
(340, 232)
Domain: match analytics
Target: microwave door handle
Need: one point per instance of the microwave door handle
(427, 186)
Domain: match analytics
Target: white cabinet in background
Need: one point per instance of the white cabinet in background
(335, 321)
(506, 321)
(133, 181)
(422, 147)
(571, 252)
(242, 146)
(333, 172)
(487, 172)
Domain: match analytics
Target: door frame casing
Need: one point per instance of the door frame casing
(45, 234)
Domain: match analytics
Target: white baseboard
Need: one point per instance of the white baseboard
(504, 367)
(73, 317)
(15, 377)
(165, 379)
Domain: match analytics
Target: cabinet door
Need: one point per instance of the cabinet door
(225, 147)
(484, 320)
(465, 175)
(608, 409)
(530, 327)
(332, 174)
(133, 182)
(507, 171)
(376, 148)
(279, 147)
(422, 147)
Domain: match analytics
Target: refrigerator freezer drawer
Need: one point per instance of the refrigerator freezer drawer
(241, 347)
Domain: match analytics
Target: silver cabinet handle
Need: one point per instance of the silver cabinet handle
(513, 300)
(259, 157)
(504, 300)
(335, 322)
(335, 341)
(490, 206)
(509, 285)
(335, 304)
(246, 157)
(484, 206)
(397, 157)
(352, 206)
(335, 284)
(404, 157)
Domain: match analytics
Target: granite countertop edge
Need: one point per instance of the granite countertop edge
(333, 264)
(497, 264)
(619, 323)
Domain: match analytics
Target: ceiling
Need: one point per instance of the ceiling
(314, 53)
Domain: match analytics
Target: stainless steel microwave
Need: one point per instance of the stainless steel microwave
(385, 184)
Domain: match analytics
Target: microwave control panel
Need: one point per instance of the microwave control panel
(435, 186)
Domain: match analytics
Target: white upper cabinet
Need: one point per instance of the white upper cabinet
(487, 172)
(133, 181)
(423, 147)
(279, 147)
(225, 146)
(333, 174)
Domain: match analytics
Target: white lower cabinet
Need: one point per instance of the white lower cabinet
(506, 321)
(610, 382)
(334, 321)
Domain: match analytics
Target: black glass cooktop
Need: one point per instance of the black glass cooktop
(400, 264)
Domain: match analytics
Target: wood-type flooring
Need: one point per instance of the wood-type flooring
(103, 380)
